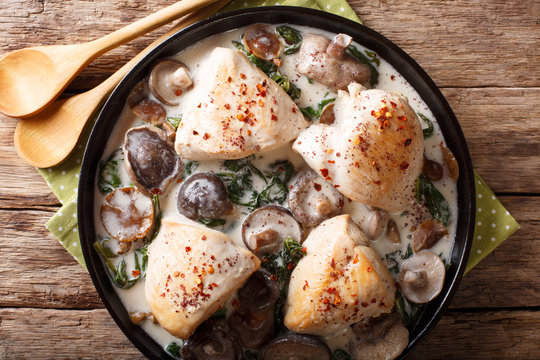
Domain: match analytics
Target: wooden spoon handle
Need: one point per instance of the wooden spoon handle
(142, 26)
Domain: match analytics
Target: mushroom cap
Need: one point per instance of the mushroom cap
(213, 340)
(151, 163)
(167, 80)
(427, 235)
(313, 200)
(422, 277)
(376, 223)
(270, 217)
(202, 195)
(259, 293)
(127, 214)
(384, 340)
(263, 42)
(297, 347)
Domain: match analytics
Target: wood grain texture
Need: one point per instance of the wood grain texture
(91, 334)
(462, 43)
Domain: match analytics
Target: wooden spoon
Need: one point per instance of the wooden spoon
(47, 139)
(32, 78)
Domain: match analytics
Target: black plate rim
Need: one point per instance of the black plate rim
(324, 20)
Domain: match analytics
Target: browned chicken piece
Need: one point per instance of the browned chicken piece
(327, 62)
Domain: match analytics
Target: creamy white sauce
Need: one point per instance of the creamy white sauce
(312, 93)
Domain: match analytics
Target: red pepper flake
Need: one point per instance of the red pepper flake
(249, 132)
(176, 274)
(326, 301)
(182, 275)
(273, 277)
(333, 263)
(403, 165)
(212, 257)
(407, 141)
(206, 136)
(261, 89)
(195, 132)
(306, 285)
(188, 249)
(156, 191)
(331, 162)
(199, 105)
(304, 249)
(210, 269)
(229, 79)
(336, 186)
(289, 266)
(337, 299)
(274, 117)
(377, 182)
(135, 273)
(195, 270)
(369, 269)
(294, 109)
(324, 172)
(203, 237)
(400, 127)
(373, 301)
(355, 259)
(242, 76)
(392, 77)
(162, 295)
(261, 103)
(178, 92)
(227, 106)
(214, 285)
(364, 304)
(394, 105)
(402, 118)
(373, 113)
(317, 187)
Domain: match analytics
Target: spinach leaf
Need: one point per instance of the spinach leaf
(239, 181)
(212, 222)
(117, 274)
(190, 166)
(277, 191)
(429, 130)
(270, 69)
(292, 37)
(357, 54)
(316, 113)
(341, 355)
(428, 194)
(173, 349)
(174, 121)
(158, 214)
(409, 312)
(108, 178)
(373, 56)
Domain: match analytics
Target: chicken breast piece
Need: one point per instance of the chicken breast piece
(339, 282)
(191, 272)
(234, 110)
(373, 152)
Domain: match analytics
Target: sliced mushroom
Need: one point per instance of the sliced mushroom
(313, 200)
(168, 79)
(392, 232)
(327, 115)
(127, 214)
(376, 223)
(256, 234)
(422, 277)
(262, 41)
(213, 340)
(203, 195)
(296, 347)
(427, 235)
(137, 317)
(150, 112)
(253, 320)
(450, 162)
(432, 170)
(325, 61)
(150, 161)
(381, 338)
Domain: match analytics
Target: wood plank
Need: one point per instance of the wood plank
(504, 152)
(93, 334)
(459, 43)
(36, 271)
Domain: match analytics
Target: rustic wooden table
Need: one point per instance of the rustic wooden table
(485, 57)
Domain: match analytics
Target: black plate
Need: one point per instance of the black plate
(299, 16)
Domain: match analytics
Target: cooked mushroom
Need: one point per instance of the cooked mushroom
(266, 228)
(137, 317)
(376, 222)
(327, 115)
(296, 347)
(325, 61)
(263, 42)
(384, 337)
(150, 112)
(392, 232)
(213, 340)
(167, 80)
(203, 195)
(313, 200)
(432, 170)
(138, 94)
(150, 161)
(422, 277)
(427, 235)
(253, 320)
(127, 214)
(450, 162)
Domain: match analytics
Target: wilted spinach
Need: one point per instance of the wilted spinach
(212, 222)
(409, 312)
(173, 349)
(108, 178)
(429, 130)
(391, 258)
(292, 37)
(311, 113)
(190, 166)
(341, 355)
(427, 193)
(357, 54)
(117, 274)
(174, 121)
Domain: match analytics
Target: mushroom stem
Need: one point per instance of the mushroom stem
(415, 278)
(338, 46)
(180, 79)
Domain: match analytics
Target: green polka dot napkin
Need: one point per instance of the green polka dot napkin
(494, 223)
